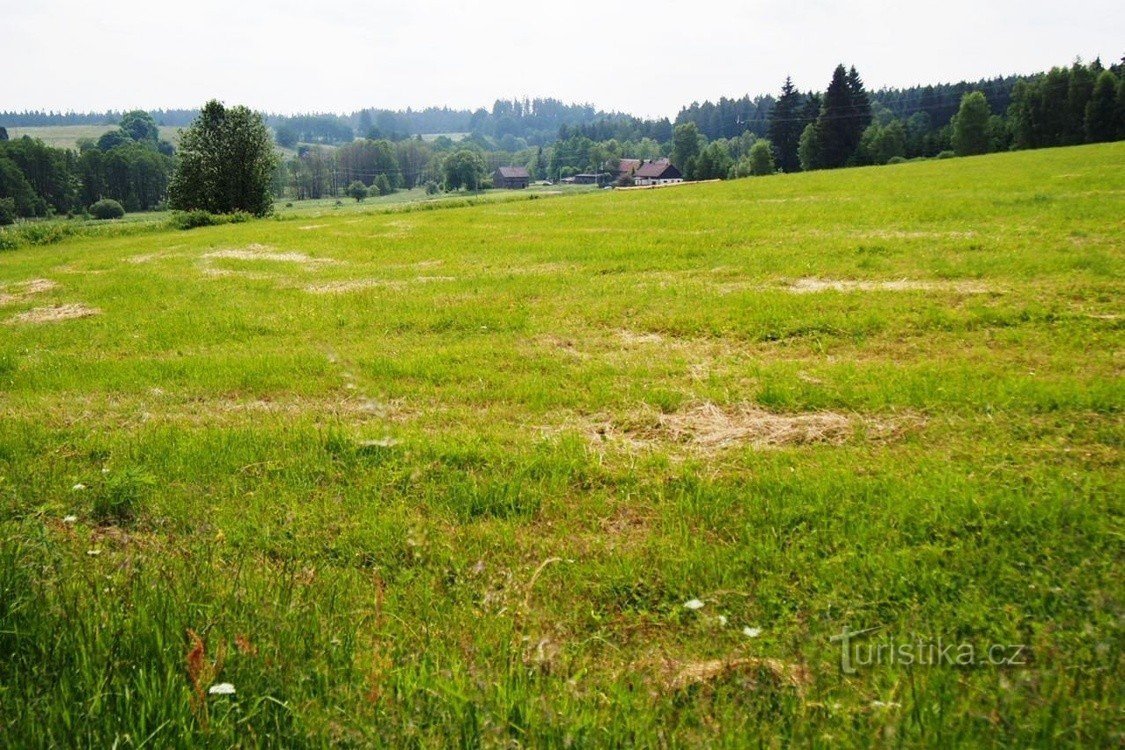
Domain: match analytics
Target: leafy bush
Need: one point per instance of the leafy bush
(945, 155)
(119, 498)
(107, 208)
(432, 188)
(198, 218)
(383, 185)
(896, 160)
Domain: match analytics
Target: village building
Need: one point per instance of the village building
(659, 172)
(511, 178)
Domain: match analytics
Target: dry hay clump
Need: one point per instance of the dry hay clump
(55, 314)
(22, 290)
(708, 428)
(750, 671)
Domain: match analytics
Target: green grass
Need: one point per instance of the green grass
(449, 477)
(67, 136)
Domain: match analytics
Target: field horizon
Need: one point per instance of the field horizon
(608, 469)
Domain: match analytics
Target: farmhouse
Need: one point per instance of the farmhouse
(659, 172)
(511, 178)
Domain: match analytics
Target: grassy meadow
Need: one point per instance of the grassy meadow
(600, 470)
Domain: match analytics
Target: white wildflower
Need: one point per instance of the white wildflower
(750, 632)
(70, 519)
(221, 688)
(693, 604)
(78, 487)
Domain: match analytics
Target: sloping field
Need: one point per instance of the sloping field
(67, 136)
(599, 470)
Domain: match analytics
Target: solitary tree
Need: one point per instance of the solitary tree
(3, 133)
(357, 190)
(970, 125)
(226, 164)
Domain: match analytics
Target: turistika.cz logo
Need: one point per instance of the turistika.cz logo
(858, 651)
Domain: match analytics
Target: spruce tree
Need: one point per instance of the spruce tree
(786, 126)
(861, 105)
(1100, 123)
(836, 125)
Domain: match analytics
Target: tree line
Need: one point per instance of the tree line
(844, 125)
(129, 165)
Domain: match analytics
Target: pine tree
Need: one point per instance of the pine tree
(785, 127)
(836, 126)
(1100, 121)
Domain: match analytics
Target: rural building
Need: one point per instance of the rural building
(659, 172)
(511, 178)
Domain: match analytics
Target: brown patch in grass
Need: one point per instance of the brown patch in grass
(22, 290)
(55, 314)
(812, 285)
(707, 426)
(263, 252)
(750, 670)
(635, 337)
(355, 285)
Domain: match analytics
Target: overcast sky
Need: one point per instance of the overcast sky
(648, 58)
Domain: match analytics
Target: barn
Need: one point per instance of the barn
(511, 178)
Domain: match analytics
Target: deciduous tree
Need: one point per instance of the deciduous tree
(226, 163)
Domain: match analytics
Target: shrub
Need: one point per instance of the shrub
(945, 155)
(107, 208)
(193, 219)
(7, 211)
(383, 185)
(119, 498)
(897, 160)
(432, 188)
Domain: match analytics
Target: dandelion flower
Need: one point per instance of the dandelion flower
(221, 688)
(693, 604)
